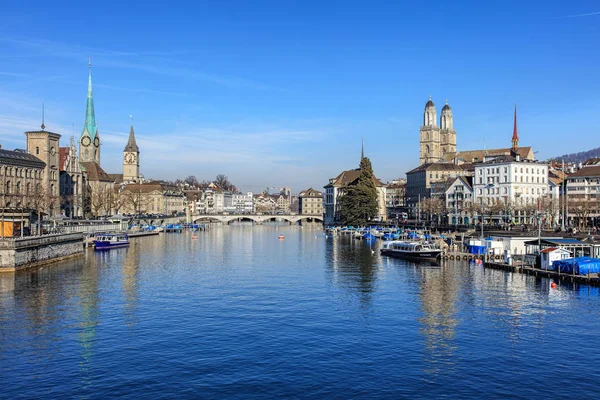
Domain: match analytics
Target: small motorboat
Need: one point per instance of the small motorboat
(281, 237)
(107, 241)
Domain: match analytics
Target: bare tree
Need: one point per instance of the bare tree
(134, 199)
(191, 181)
(43, 201)
(223, 182)
(582, 208)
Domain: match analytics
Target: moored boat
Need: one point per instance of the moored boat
(106, 241)
(411, 250)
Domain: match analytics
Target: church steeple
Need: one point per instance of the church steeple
(90, 116)
(131, 144)
(515, 137)
(89, 143)
(362, 149)
(131, 158)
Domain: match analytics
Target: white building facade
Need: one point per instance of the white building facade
(510, 188)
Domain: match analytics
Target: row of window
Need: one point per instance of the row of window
(494, 180)
(518, 191)
(16, 188)
(517, 170)
(20, 172)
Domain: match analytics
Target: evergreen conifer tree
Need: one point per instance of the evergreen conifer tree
(358, 205)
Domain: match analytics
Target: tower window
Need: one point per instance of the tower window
(37, 150)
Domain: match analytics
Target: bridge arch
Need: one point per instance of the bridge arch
(314, 218)
(242, 218)
(207, 218)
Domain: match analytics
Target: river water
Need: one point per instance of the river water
(238, 313)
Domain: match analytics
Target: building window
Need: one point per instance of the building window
(37, 150)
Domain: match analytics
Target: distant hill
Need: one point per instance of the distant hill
(579, 157)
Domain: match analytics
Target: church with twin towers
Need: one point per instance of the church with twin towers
(438, 142)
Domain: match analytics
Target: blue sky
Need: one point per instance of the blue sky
(279, 93)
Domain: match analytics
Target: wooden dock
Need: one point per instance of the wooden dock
(497, 262)
(140, 234)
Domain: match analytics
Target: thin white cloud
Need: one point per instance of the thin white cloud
(580, 15)
(160, 63)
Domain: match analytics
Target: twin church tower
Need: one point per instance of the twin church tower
(89, 142)
(437, 142)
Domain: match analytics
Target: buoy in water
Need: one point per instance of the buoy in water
(281, 237)
(194, 237)
(553, 285)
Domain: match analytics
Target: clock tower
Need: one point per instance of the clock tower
(89, 143)
(131, 159)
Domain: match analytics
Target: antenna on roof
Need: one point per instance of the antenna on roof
(43, 126)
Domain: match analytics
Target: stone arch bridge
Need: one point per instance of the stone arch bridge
(256, 218)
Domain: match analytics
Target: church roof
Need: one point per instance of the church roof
(131, 146)
(90, 117)
(116, 178)
(94, 172)
(429, 104)
(470, 156)
(438, 166)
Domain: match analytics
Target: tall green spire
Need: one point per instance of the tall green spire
(90, 117)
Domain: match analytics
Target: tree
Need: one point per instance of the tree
(133, 199)
(223, 182)
(582, 208)
(359, 203)
(43, 200)
(98, 198)
(192, 181)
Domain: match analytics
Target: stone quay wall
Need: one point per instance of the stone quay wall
(33, 251)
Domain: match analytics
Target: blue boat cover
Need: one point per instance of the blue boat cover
(577, 266)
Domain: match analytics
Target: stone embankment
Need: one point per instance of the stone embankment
(28, 252)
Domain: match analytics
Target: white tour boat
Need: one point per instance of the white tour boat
(411, 250)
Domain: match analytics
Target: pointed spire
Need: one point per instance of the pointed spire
(90, 117)
(131, 146)
(362, 149)
(43, 116)
(515, 137)
(73, 136)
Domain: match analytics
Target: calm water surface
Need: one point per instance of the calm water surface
(238, 313)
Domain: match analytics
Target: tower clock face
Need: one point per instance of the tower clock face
(86, 141)
(130, 158)
(96, 141)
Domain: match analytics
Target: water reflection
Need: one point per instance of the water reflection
(131, 267)
(438, 295)
(353, 264)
